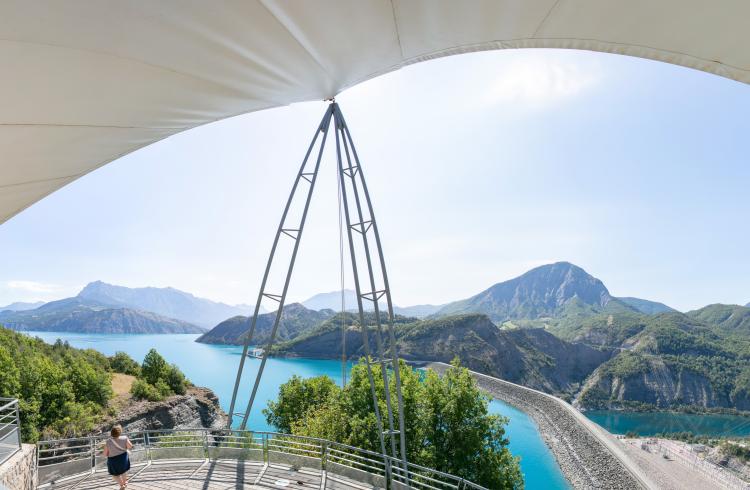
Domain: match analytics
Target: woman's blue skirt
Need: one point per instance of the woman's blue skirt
(117, 465)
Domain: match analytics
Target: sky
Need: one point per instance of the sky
(480, 166)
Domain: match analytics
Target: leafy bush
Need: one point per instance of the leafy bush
(143, 390)
(176, 380)
(158, 379)
(121, 362)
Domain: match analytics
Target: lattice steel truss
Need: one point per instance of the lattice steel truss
(363, 235)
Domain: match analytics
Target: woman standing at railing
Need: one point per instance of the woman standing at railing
(118, 460)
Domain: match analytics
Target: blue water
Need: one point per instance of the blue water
(651, 423)
(215, 366)
(539, 468)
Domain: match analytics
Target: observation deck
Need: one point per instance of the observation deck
(221, 459)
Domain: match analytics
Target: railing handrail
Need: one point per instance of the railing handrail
(9, 417)
(414, 475)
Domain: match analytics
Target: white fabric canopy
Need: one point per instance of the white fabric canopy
(87, 81)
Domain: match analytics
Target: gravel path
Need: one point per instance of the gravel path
(588, 455)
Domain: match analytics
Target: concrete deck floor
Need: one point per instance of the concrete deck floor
(213, 475)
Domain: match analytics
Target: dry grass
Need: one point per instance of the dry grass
(121, 383)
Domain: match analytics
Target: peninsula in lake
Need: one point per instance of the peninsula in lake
(558, 329)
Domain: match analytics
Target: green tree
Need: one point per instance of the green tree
(89, 383)
(175, 380)
(447, 421)
(154, 367)
(10, 377)
(460, 436)
(121, 362)
(296, 396)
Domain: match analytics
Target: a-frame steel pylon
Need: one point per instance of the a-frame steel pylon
(373, 287)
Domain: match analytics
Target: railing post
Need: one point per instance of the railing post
(18, 425)
(92, 445)
(324, 454)
(148, 446)
(205, 443)
(264, 442)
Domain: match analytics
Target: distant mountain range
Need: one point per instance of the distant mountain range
(168, 302)
(554, 328)
(21, 306)
(558, 329)
(332, 301)
(106, 308)
(84, 315)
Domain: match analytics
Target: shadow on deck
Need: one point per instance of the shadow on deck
(213, 475)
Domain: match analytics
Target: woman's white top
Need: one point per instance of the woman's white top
(117, 446)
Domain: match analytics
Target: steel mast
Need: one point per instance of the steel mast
(363, 237)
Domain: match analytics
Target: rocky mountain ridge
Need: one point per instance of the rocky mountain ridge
(541, 292)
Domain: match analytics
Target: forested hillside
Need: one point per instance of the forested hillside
(64, 391)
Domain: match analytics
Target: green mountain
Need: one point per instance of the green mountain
(529, 356)
(728, 319)
(543, 292)
(295, 320)
(87, 316)
(646, 306)
(666, 361)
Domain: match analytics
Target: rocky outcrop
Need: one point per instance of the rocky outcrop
(198, 408)
(655, 384)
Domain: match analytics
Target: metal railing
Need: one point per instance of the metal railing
(61, 459)
(10, 428)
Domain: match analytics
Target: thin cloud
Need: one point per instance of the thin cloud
(540, 81)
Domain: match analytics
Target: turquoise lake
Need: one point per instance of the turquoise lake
(215, 366)
(649, 424)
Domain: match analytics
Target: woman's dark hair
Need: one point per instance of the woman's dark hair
(116, 431)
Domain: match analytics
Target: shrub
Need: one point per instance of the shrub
(176, 380)
(121, 362)
(143, 390)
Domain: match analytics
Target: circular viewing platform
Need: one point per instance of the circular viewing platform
(211, 459)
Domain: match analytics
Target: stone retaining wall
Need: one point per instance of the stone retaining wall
(19, 472)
